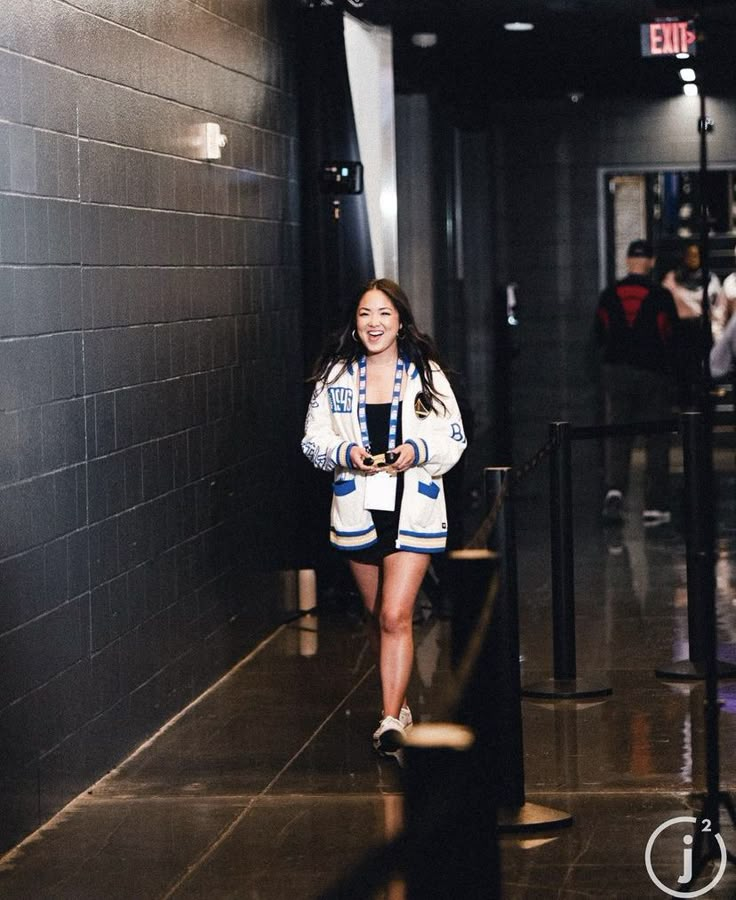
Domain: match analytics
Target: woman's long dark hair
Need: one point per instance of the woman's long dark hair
(342, 348)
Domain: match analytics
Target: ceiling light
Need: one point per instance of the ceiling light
(424, 39)
(518, 26)
(687, 74)
(682, 56)
(690, 89)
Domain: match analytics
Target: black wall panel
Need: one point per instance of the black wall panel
(150, 370)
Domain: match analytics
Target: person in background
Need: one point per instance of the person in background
(685, 283)
(384, 419)
(635, 327)
(728, 300)
(723, 352)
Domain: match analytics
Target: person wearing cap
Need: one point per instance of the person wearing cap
(636, 326)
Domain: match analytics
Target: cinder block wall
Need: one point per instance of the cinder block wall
(150, 366)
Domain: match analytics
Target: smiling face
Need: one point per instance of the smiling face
(377, 323)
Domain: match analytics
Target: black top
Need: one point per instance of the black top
(637, 324)
(377, 417)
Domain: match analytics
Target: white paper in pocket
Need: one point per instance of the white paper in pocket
(380, 491)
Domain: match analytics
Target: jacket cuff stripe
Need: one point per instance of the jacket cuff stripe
(342, 454)
(348, 447)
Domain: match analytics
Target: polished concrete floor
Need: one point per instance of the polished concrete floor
(267, 788)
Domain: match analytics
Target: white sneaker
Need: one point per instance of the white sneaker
(388, 738)
(405, 717)
(613, 508)
(656, 517)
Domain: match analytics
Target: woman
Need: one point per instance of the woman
(383, 417)
(685, 283)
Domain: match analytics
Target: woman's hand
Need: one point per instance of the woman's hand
(405, 459)
(358, 455)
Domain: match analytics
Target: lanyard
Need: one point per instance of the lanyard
(394, 417)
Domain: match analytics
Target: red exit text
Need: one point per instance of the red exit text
(667, 38)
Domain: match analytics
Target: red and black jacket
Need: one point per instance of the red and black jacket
(637, 325)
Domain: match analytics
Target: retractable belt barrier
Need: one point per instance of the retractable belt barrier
(565, 683)
(468, 778)
(579, 432)
(489, 691)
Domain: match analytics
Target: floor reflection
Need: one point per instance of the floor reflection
(268, 787)
(393, 809)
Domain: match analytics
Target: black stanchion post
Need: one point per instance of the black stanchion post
(502, 660)
(700, 540)
(699, 518)
(452, 849)
(699, 509)
(565, 684)
(563, 560)
(491, 700)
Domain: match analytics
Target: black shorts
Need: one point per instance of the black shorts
(387, 528)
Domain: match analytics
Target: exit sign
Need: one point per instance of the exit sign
(668, 37)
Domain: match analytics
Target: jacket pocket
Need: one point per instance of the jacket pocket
(426, 509)
(343, 487)
(430, 490)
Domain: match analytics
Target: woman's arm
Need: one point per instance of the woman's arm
(441, 439)
(321, 444)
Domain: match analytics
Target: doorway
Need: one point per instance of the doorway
(664, 207)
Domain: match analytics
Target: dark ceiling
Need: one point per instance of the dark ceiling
(586, 47)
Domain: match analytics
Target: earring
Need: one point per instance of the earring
(355, 336)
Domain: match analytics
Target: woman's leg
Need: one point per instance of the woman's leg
(403, 574)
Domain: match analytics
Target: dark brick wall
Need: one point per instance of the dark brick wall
(150, 367)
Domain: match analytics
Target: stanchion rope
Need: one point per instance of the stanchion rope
(375, 869)
(480, 538)
(579, 432)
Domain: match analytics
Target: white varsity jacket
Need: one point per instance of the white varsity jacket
(332, 429)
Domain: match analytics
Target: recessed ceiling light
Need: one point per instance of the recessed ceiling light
(518, 26)
(690, 89)
(424, 39)
(687, 74)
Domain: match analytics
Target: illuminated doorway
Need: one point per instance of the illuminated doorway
(664, 207)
